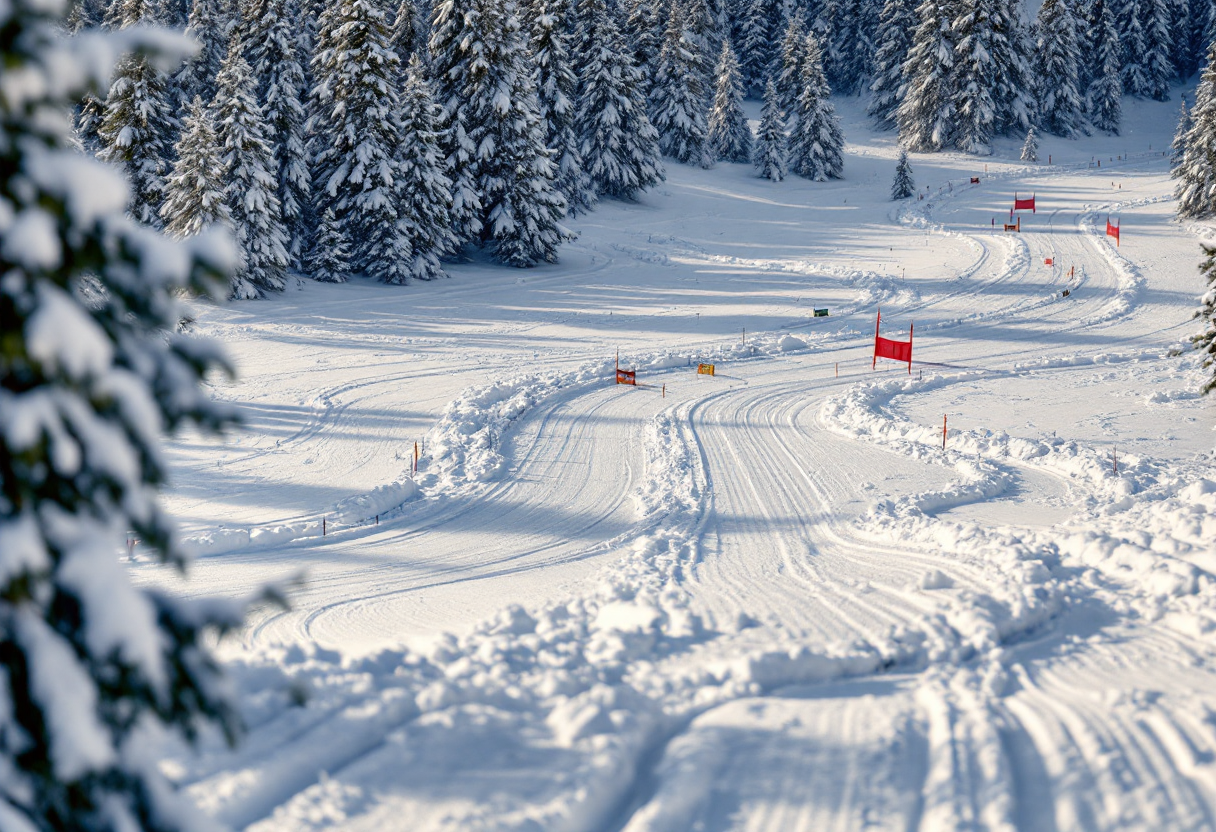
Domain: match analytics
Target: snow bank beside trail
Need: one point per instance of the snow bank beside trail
(1150, 528)
(358, 510)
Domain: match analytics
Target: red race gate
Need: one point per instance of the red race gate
(1023, 204)
(887, 348)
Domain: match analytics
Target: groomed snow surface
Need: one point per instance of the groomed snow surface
(762, 600)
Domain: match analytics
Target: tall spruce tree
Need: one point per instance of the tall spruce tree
(277, 65)
(730, 137)
(408, 32)
(644, 28)
(139, 128)
(210, 24)
(513, 171)
(897, 24)
(1178, 145)
(453, 24)
(1130, 23)
(703, 34)
(1196, 188)
(1200, 17)
(771, 141)
(1157, 59)
(247, 166)
(424, 187)
(974, 59)
(852, 38)
(792, 58)
(1013, 97)
(1059, 101)
(1181, 57)
(620, 146)
(759, 31)
(904, 185)
(88, 15)
(556, 87)
(816, 142)
(195, 197)
(96, 670)
(1105, 94)
(926, 115)
(357, 135)
(678, 97)
(1205, 339)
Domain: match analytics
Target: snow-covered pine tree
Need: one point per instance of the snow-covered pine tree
(328, 258)
(897, 23)
(1129, 23)
(96, 671)
(138, 128)
(452, 26)
(822, 18)
(644, 28)
(702, 35)
(852, 34)
(975, 112)
(195, 198)
(904, 185)
(278, 67)
(424, 187)
(1105, 95)
(1056, 53)
(1030, 147)
(1178, 145)
(87, 15)
(1013, 97)
(816, 141)
(730, 137)
(247, 166)
(1196, 188)
(1205, 340)
(758, 31)
(357, 136)
(926, 115)
(210, 24)
(678, 98)
(620, 146)
(513, 171)
(1181, 56)
(771, 141)
(1200, 17)
(556, 87)
(1157, 59)
(408, 32)
(791, 59)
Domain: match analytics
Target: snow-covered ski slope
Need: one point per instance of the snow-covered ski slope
(763, 600)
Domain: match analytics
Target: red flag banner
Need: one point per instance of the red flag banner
(1049, 261)
(626, 377)
(1112, 231)
(887, 348)
(1023, 204)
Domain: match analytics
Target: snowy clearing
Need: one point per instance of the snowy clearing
(762, 600)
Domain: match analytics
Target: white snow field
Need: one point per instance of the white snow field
(762, 600)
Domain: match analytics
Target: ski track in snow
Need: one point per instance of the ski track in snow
(769, 599)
